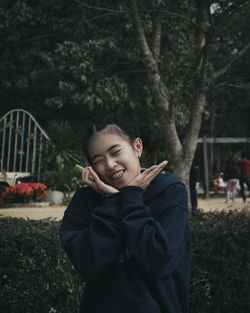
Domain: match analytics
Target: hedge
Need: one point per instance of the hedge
(221, 262)
(36, 276)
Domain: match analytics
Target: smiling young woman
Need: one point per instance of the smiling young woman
(127, 233)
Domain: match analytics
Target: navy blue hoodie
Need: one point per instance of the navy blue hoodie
(132, 248)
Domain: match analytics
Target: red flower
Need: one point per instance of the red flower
(24, 192)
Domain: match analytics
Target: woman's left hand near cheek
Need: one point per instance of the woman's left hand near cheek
(90, 178)
(144, 179)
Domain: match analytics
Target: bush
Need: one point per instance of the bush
(220, 280)
(64, 180)
(36, 276)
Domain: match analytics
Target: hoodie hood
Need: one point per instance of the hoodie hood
(159, 184)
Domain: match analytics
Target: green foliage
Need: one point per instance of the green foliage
(71, 60)
(228, 96)
(61, 156)
(221, 262)
(64, 180)
(63, 144)
(67, 65)
(36, 275)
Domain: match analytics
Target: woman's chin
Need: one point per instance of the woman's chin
(119, 184)
(122, 182)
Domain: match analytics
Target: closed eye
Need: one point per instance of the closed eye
(97, 162)
(116, 152)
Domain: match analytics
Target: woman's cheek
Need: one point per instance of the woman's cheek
(100, 172)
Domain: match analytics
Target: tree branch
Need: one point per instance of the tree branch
(229, 12)
(239, 85)
(203, 19)
(223, 70)
(100, 8)
(156, 25)
(156, 38)
(203, 35)
(165, 112)
(148, 59)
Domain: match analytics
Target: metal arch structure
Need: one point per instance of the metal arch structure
(22, 141)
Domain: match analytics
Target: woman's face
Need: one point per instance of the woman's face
(114, 159)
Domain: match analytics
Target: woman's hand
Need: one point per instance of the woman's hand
(90, 178)
(144, 179)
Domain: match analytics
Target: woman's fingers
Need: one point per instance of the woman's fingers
(162, 164)
(150, 169)
(144, 179)
(154, 167)
(91, 179)
(93, 174)
(154, 170)
(87, 176)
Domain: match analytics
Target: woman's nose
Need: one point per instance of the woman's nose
(110, 163)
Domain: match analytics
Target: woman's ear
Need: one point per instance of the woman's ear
(138, 146)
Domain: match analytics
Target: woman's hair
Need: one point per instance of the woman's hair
(115, 124)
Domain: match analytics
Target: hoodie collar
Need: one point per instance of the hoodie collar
(159, 185)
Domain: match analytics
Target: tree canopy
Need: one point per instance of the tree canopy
(172, 65)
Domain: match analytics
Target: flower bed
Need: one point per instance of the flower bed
(24, 193)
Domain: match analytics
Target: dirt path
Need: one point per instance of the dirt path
(219, 203)
(56, 212)
(35, 213)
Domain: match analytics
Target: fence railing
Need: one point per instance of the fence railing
(22, 141)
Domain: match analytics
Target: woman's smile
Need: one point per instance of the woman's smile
(117, 175)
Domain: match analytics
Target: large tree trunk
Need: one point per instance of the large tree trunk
(180, 153)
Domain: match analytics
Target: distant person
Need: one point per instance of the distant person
(244, 165)
(221, 183)
(232, 176)
(193, 178)
(217, 183)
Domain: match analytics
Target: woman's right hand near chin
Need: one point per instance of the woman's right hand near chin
(90, 178)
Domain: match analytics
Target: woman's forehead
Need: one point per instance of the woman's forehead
(103, 140)
(112, 129)
(111, 132)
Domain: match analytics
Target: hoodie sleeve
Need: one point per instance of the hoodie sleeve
(157, 245)
(90, 236)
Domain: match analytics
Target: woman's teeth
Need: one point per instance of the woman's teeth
(117, 175)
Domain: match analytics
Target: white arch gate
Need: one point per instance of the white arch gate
(22, 141)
